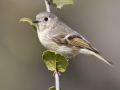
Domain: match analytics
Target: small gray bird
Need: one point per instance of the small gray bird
(56, 35)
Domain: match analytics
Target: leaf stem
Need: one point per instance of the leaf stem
(57, 82)
(47, 6)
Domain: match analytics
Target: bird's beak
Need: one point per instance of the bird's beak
(35, 21)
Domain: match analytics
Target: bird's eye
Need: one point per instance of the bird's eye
(46, 19)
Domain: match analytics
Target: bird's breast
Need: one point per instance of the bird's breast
(48, 43)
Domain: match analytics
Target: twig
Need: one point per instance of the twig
(57, 82)
(47, 6)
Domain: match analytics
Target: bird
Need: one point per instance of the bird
(56, 35)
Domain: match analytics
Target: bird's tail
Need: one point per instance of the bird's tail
(101, 58)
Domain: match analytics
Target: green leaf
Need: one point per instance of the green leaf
(53, 88)
(29, 21)
(60, 3)
(54, 61)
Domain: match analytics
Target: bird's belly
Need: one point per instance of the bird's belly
(67, 51)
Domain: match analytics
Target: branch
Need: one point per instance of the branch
(57, 83)
(57, 63)
(47, 5)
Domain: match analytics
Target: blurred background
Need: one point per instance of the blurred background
(21, 66)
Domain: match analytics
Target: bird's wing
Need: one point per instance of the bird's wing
(80, 41)
(74, 40)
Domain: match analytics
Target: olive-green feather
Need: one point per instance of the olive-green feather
(78, 42)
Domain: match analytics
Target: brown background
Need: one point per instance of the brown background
(21, 67)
